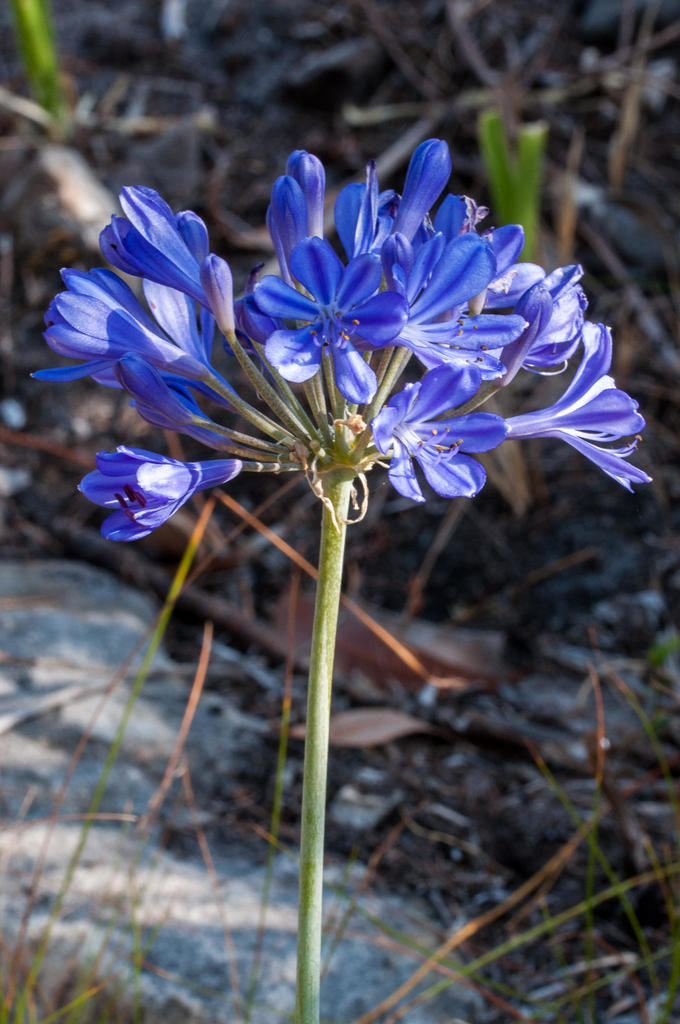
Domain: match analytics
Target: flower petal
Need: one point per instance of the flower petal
(428, 172)
(295, 354)
(176, 314)
(347, 207)
(611, 461)
(151, 216)
(402, 476)
(353, 376)
(466, 266)
(317, 267)
(380, 318)
(443, 389)
(360, 280)
(451, 215)
(457, 477)
(276, 298)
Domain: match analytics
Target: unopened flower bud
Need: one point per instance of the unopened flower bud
(428, 173)
(219, 289)
(309, 173)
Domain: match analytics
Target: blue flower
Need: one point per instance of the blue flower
(428, 172)
(286, 220)
(145, 489)
(440, 280)
(363, 216)
(155, 243)
(591, 413)
(554, 308)
(309, 173)
(342, 306)
(98, 319)
(165, 401)
(410, 427)
(458, 215)
(218, 285)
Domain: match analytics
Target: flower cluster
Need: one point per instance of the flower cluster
(324, 344)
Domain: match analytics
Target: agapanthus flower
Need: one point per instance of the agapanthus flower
(165, 401)
(287, 221)
(310, 175)
(365, 218)
(342, 306)
(431, 283)
(459, 214)
(153, 242)
(439, 280)
(413, 426)
(428, 172)
(591, 413)
(554, 308)
(99, 319)
(145, 489)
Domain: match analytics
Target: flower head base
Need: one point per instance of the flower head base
(145, 489)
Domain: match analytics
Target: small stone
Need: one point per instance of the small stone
(360, 811)
(13, 413)
(12, 481)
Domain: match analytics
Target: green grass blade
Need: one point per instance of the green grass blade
(37, 46)
(514, 176)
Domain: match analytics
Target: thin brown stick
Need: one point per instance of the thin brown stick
(403, 653)
(148, 818)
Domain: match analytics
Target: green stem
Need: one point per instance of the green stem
(264, 389)
(337, 491)
(390, 375)
(249, 413)
(289, 395)
(317, 403)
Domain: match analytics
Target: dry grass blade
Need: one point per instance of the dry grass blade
(470, 928)
(41, 444)
(194, 696)
(418, 582)
(623, 138)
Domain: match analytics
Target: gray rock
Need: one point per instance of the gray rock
(361, 811)
(65, 629)
(13, 413)
(12, 481)
(189, 966)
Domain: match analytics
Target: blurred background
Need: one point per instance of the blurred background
(553, 587)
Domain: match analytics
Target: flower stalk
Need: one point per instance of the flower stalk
(337, 490)
(323, 347)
